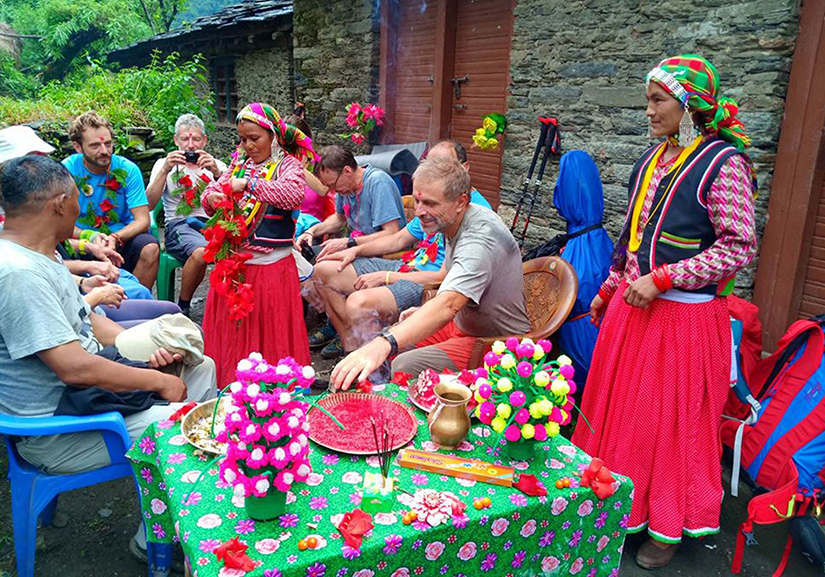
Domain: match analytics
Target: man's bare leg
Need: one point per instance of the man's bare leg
(146, 269)
(367, 310)
(192, 275)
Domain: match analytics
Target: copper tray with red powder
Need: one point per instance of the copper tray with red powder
(354, 411)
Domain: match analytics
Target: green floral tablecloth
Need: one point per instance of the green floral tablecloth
(568, 532)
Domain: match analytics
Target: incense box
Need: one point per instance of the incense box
(456, 467)
(377, 494)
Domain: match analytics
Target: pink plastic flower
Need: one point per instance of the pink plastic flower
(525, 350)
(524, 369)
(491, 359)
(567, 371)
(512, 433)
(522, 416)
(517, 398)
(511, 343)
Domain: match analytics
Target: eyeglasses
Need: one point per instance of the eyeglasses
(334, 186)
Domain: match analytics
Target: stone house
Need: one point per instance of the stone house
(437, 66)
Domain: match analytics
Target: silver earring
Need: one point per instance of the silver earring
(687, 131)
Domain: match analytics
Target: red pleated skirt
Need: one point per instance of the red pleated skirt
(275, 328)
(654, 396)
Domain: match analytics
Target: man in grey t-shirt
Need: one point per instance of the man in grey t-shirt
(482, 294)
(48, 336)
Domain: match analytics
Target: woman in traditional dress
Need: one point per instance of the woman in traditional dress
(661, 366)
(267, 167)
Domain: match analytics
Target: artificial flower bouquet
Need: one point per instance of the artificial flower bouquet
(524, 396)
(265, 430)
(362, 120)
(224, 234)
(486, 137)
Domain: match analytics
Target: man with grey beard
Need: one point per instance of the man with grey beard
(481, 295)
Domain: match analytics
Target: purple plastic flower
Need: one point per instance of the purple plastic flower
(245, 526)
(444, 569)
(318, 503)
(565, 525)
(601, 520)
(417, 544)
(350, 553)
(483, 520)
(547, 539)
(623, 523)
(577, 537)
(316, 570)
(342, 572)
(288, 520)
(176, 458)
(489, 562)
(460, 521)
(157, 529)
(272, 573)
(330, 460)
(518, 500)
(147, 445)
(146, 473)
(419, 479)
(518, 559)
(392, 544)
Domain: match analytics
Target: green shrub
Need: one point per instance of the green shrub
(152, 96)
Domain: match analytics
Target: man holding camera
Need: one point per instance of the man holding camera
(179, 179)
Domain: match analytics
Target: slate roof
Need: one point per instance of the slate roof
(232, 20)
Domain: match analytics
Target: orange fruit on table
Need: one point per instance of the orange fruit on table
(413, 515)
(406, 519)
(302, 545)
(312, 542)
(477, 503)
(559, 484)
(566, 482)
(486, 501)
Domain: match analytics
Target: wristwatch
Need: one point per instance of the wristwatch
(351, 242)
(386, 334)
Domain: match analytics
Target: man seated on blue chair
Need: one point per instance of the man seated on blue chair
(179, 180)
(49, 338)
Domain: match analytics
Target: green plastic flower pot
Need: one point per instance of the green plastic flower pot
(521, 450)
(266, 508)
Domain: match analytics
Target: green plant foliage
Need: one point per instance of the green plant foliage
(153, 96)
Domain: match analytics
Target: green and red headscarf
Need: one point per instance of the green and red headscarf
(694, 82)
(290, 138)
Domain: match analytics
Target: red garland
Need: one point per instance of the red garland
(225, 233)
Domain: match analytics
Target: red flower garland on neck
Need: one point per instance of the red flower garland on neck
(225, 233)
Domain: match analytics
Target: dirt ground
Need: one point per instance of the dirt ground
(103, 518)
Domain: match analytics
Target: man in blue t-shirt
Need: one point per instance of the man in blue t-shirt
(371, 290)
(112, 196)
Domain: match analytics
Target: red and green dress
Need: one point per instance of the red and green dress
(660, 375)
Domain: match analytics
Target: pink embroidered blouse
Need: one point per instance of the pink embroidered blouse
(731, 210)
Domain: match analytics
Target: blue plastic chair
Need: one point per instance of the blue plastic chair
(34, 493)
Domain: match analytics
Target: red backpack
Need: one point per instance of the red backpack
(782, 451)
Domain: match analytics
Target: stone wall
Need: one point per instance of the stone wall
(584, 63)
(266, 76)
(336, 52)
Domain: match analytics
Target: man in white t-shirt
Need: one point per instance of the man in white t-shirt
(179, 179)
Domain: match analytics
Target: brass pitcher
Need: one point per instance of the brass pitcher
(448, 421)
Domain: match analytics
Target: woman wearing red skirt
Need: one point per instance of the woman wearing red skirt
(661, 366)
(266, 167)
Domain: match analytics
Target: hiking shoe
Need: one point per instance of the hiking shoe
(333, 350)
(322, 336)
(651, 556)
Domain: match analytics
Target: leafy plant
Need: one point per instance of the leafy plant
(153, 96)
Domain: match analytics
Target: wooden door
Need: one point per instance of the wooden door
(415, 67)
(481, 74)
(813, 287)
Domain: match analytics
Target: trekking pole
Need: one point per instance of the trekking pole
(552, 146)
(526, 186)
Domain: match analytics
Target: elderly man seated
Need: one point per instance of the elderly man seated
(481, 295)
(49, 338)
(179, 179)
(376, 290)
(367, 206)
